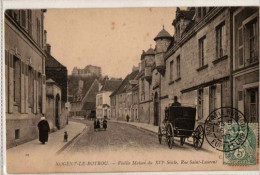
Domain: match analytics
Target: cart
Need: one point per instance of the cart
(180, 122)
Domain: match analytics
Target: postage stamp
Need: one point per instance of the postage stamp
(246, 154)
(226, 129)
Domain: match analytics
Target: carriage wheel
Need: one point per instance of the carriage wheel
(160, 135)
(198, 137)
(170, 136)
(182, 141)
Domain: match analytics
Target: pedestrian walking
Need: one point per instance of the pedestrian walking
(127, 118)
(98, 124)
(95, 124)
(44, 129)
(65, 136)
(105, 124)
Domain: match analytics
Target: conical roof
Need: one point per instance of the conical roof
(163, 34)
(150, 51)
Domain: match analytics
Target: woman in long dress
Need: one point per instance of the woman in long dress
(44, 130)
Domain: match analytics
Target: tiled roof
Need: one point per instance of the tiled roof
(124, 85)
(74, 89)
(52, 62)
(163, 34)
(111, 85)
(89, 106)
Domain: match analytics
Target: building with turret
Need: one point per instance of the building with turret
(205, 64)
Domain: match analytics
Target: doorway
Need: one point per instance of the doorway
(156, 109)
(57, 111)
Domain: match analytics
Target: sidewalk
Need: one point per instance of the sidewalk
(54, 144)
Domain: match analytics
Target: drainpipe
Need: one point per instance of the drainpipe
(149, 105)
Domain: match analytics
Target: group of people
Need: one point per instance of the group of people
(97, 124)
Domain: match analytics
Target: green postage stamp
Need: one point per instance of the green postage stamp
(246, 154)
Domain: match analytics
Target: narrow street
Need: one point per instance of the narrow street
(121, 137)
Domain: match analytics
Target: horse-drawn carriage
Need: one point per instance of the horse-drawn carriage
(180, 122)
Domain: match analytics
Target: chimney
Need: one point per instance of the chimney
(48, 48)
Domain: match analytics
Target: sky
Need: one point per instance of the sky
(110, 38)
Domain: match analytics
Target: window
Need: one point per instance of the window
(171, 71)
(204, 11)
(31, 87)
(38, 30)
(246, 37)
(200, 104)
(178, 67)
(240, 46)
(143, 89)
(202, 51)
(253, 39)
(23, 18)
(16, 15)
(220, 39)
(17, 81)
(212, 99)
(17, 134)
(40, 91)
(29, 16)
(252, 113)
(199, 12)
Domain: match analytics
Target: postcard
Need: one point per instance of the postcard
(140, 89)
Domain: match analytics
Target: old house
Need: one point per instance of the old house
(83, 102)
(211, 61)
(198, 62)
(102, 98)
(54, 105)
(245, 63)
(25, 87)
(58, 76)
(124, 100)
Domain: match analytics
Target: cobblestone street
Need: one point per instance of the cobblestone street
(123, 137)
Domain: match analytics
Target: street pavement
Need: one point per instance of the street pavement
(35, 151)
(128, 136)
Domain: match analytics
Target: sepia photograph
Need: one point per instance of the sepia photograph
(141, 89)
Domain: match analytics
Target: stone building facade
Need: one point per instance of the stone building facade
(89, 70)
(103, 106)
(124, 100)
(25, 86)
(245, 70)
(83, 103)
(57, 73)
(54, 105)
(201, 65)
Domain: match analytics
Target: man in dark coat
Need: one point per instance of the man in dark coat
(105, 124)
(95, 124)
(176, 103)
(98, 123)
(44, 130)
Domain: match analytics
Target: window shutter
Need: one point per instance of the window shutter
(240, 95)
(10, 84)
